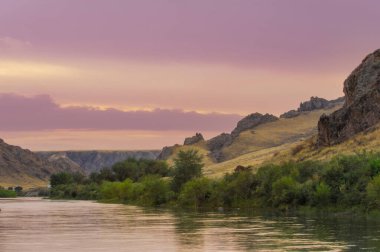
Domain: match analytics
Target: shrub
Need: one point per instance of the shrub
(285, 191)
(154, 191)
(373, 191)
(7, 194)
(322, 194)
(238, 187)
(196, 193)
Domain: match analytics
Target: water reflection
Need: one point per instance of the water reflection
(43, 225)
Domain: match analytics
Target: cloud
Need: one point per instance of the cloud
(21, 113)
(292, 34)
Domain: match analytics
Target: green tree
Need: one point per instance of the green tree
(196, 193)
(187, 165)
(61, 178)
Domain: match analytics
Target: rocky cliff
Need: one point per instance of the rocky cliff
(21, 166)
(361, 109)
(91, 161)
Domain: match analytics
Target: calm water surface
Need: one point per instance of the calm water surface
(32, 224)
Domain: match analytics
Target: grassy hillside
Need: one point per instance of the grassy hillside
(269, 135)
(263, 143)
(24, 180)
(300, 151)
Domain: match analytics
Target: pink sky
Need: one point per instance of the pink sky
(162, 58)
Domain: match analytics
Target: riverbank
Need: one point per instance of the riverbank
(345, 183)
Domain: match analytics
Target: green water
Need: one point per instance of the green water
(30, 224)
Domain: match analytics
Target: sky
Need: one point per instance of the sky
(142, 74)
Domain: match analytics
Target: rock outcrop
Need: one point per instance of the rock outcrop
(194, 139)
(315, 103)
(216, 144)
(91, 161)
(361, 109)
(251, 121)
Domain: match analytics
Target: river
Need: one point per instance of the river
(34, 224)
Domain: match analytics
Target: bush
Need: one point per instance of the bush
(322, 194)
(285, 191)
(154, 191)
(373, 192)
(7, 194)
(238, 188)
(196, 193)
(117, 191)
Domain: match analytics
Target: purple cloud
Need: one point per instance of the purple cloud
(268, 33)
(20, 113)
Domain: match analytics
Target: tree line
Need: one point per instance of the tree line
(343, 182)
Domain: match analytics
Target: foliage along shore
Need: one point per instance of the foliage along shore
(7, 193)
(345, 182)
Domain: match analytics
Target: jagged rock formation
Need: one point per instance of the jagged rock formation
(194, 139)
(91, 161)
(216, 144)
(361, 109)
(18, 165)
(251, 121)
(315, 103)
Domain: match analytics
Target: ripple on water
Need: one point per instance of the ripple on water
(46, 225)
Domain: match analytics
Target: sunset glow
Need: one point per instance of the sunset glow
(187, 56)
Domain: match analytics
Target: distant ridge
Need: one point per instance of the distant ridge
(92, 161)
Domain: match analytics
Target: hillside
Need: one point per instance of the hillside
(353, 127)
(22, 167)
(91, 161)
(260, 137)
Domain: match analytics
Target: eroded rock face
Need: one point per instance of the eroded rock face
(194, 139)
(219, 141)
(361, 109)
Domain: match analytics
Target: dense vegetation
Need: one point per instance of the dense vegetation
(7, 193)
(343, 182)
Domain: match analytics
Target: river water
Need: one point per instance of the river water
(33, 224)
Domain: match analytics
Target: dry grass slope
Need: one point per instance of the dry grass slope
(266, 143)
